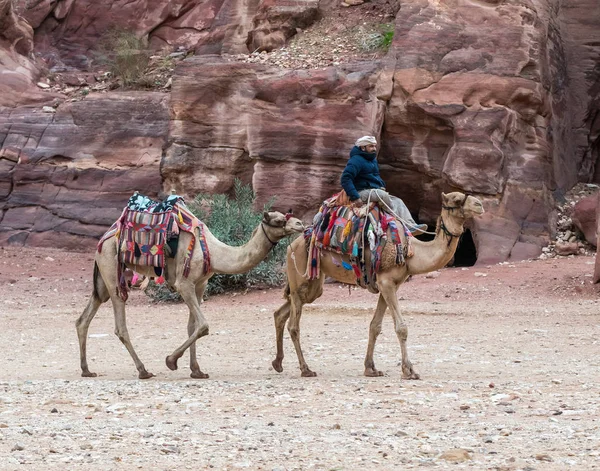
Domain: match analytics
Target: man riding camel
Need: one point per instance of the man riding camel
(362, 183)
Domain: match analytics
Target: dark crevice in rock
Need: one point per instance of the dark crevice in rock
(466, 252)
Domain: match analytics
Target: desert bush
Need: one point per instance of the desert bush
(232, 221)
(125, 54)
(161, 293)
(378, 40)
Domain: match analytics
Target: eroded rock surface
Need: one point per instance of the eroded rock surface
(493, 98)
(66, 175)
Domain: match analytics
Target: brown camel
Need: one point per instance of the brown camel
(224, 259)
(428, 256)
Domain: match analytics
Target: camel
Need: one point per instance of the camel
(224, 259)
(427, 257)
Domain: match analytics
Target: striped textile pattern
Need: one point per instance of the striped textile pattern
(142, 236)
(342, 230)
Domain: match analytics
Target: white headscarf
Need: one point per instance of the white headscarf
(365, 141)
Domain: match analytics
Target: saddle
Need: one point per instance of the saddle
(346, 230)
(148, 231)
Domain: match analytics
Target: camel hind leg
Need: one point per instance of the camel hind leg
(123, 334)
(98, 297)
(374, 331)
(105, 262)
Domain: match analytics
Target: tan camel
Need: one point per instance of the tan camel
(428, 256)
(224, 259)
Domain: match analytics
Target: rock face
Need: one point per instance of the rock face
(67, 32)
(277, 21)
(495, 98)
(273, 127)
(17, 70)
(584, 217)
(65, 176)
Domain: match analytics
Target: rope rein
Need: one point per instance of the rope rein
(262, 225)
(407, 225)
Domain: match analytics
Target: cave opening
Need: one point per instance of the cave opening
(466, 253)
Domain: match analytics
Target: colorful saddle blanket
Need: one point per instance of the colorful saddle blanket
(342, 229)
(146, 228)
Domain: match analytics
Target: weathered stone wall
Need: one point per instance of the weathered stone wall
(64, 176)
(492, 97)
(287, 131)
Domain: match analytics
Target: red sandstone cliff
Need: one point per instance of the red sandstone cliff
(492, 97)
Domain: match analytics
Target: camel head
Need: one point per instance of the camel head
(461, 205)
(281, 225)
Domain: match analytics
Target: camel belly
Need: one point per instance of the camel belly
(331, 265)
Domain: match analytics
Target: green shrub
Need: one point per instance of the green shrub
(162, 293)
(232, 221)
(379, 40)
(125, 54)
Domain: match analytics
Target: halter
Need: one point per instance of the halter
(443, 225)
(460, 206)
(263, 223)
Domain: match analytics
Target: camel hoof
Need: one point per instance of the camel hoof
(308, 374)
(373, 373)
(412, 375)
(171, 363)
(277, 366)
(88, 374)
(198, 375)
(145, 375)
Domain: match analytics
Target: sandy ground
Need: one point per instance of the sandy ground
(508, 355)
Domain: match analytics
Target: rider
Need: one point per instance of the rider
(362, 183)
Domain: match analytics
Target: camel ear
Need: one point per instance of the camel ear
(444, 198)
(266, 217)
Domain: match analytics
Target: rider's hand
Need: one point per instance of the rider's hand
(357, 203)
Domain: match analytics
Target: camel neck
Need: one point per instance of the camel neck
(435, 254)
(233, 260)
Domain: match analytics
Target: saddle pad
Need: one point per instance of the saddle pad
(142, 231)
(347, 231)
(143, 237)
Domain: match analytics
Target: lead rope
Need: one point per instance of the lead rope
(407, 225)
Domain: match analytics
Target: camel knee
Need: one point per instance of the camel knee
(120, 335)
(402, 331)
(281, 315)
(202, 331)
(294, 331)
(375, 328)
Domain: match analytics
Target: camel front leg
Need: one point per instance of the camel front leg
(388, 291)
(123, 334)
(198, 322)
(280, 316)
(294, 330)
(374, 331)
(196, 373)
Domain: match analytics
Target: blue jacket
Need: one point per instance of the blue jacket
(361, 173)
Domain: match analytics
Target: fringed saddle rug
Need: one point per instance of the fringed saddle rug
(347, 230)
(148, 230)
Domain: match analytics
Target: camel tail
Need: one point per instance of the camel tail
(95, 281)
(99, 289)
(287, 291)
